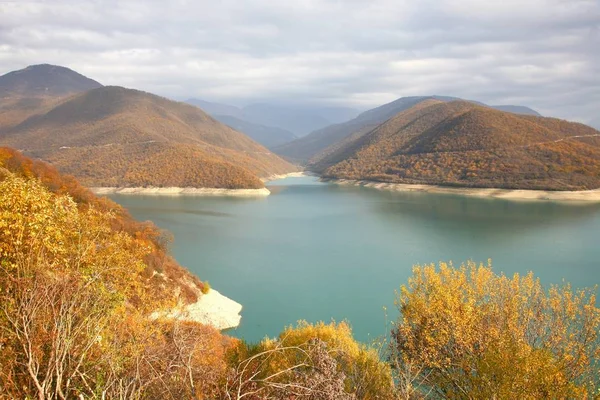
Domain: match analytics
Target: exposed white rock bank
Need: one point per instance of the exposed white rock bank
(212, 309)
(579, 196)
(175, 191)
(283, 176)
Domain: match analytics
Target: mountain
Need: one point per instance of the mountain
(268, 136)
(517, 110)
(36, 89)
(460, 143)
(305, 148)
(112, 136)
(44, 80)
(215, 109)
(298, 119)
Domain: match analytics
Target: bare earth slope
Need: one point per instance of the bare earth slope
(464, 144)
(112, 136)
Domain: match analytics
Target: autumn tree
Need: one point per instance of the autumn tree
(470, 333)
(312, 361)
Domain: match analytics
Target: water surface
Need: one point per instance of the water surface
(318, 251)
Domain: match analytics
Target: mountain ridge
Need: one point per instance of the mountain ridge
(462, 144)
(304, 149)
(113, 136)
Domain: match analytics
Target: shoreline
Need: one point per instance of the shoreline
(176, 191)
(212, 309)
(581, 196)
(297, 174)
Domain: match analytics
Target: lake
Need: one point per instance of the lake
(318, 251)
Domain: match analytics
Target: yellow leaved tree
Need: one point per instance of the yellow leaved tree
(309, 361)
(470, 333)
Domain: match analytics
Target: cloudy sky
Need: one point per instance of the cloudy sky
(360, 53)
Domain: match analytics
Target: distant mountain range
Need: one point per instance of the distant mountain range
(112, 136)
(305, 148)
(272, 125)
(461, 143)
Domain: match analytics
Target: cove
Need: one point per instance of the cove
(318, 251)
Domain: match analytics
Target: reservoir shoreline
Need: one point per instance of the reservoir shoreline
(176, 191)
(580, 196)
(212, 309)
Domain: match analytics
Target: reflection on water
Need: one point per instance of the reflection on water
(503, 215)
(317, 251)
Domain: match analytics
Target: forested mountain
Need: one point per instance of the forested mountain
(112, 136)
(464, 144)
(305, 148)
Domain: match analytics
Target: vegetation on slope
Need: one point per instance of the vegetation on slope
(463, 144)
(145, 136)
(162, 276)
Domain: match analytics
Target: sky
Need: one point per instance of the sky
(359, 53)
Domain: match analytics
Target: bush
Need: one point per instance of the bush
(320, 361)
(468, 332)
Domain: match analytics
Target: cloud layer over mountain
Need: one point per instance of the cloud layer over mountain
(539, 53)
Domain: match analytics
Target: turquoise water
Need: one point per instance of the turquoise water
(318, 251)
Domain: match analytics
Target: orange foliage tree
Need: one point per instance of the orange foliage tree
(469, 333)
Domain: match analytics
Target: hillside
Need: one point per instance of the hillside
(112, 136)
(463, 144)
(162, 275)
(323, 141)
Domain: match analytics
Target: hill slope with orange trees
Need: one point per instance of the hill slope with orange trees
(112, 136)
(318, 144)
(161, 275)
(464, 144)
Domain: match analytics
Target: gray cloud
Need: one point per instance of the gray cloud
(540, 53)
